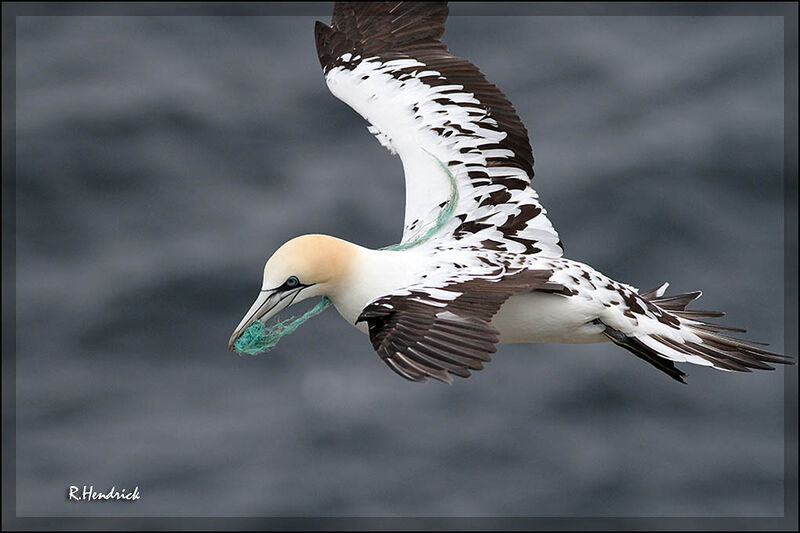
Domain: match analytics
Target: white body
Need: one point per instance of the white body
(531, 317)
(541, 317)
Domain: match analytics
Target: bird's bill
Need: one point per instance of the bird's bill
(268, 304)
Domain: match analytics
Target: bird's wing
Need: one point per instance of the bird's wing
(425, 331)
(466, 156)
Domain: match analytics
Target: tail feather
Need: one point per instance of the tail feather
(740, 361)
(719, 362)
(693, 314)
(637, 348)
(655, 293)
(716, 328)
(677, 302)
(697, 341)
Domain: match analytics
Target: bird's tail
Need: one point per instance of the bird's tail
(689, 338)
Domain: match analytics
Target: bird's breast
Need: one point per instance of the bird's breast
(375, 274)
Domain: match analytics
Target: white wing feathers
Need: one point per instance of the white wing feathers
(462, 145)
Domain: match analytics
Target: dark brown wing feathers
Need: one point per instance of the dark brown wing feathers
(423, 335)
(397, 30)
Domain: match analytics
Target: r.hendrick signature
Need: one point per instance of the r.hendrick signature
(89, 494)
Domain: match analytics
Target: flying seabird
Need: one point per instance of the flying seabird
(479, 262)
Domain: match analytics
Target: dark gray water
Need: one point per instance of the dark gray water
(161, 160)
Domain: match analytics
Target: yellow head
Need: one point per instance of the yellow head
(304, 267)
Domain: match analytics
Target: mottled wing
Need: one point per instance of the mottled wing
(434, 332)
(465, 152)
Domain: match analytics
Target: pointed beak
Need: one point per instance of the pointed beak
(266, 302)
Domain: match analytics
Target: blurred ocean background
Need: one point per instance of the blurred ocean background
(161, 160)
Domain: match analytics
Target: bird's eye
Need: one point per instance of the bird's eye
(292, 282)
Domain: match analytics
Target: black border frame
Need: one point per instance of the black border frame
(788, 10)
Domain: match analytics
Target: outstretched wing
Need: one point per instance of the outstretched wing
(434, 332)
(466, 156)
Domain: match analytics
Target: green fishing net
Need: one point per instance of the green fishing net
(259, 338)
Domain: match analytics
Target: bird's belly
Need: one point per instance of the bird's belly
(543, 317)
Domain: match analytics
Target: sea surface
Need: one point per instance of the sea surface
(162, 159)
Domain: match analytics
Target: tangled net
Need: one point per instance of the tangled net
(258, 338)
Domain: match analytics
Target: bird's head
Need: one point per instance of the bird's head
(304, 267)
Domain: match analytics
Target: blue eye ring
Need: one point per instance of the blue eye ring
(292, 282)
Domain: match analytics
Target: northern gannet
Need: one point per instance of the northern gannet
(479, 262)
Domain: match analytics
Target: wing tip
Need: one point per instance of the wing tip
(322, 36)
